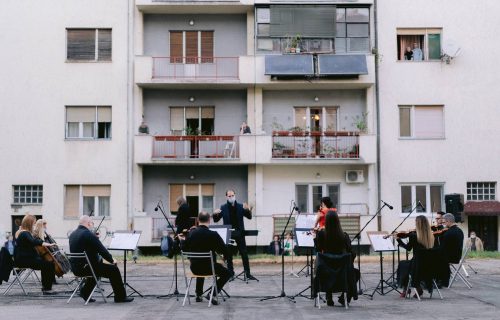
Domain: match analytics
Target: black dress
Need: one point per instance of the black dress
(25, 256)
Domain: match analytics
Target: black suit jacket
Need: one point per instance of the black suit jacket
(184, 220)
(226, 215)
(82, 240)
(203, 239)
(452, 243)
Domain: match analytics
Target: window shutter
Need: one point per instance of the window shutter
(175, 46)
(192, 190)
(96, 191)
(404, 122)
(72, 201)
(207, 47)
(191, 47)
(104, 44)
(104, 114)
(176, 118)
(81, 44)
(310, 21)
(207, 189)
(192, 113)
(434, 46)
(429, 122)
(80, 114)
(207, 113)
(175, 191)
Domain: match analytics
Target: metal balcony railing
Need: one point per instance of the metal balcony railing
(196, 147)
(335, 144)
(196, 68)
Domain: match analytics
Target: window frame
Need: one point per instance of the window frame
(325, 192)
(323, 120)
(95, 126)
(96, 211)
(184, 194)
(480, 190)
(39, 198)
(96, 53)
(425, 32)
(184, 119)
(428, 203)
(412, 122)
(199, 59)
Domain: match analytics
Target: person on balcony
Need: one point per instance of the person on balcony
(417, 53)
(244, 128)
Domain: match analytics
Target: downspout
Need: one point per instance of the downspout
(130, 117)
(377, 106)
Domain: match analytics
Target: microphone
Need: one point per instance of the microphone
(295, 207)
(387, 205)
(421, 205)
(156, 209)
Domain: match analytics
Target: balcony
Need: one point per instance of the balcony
(194, 6)
(195, 147)
(327, 145)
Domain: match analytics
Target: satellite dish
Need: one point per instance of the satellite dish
(450, 50)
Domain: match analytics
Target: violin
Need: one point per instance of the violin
(440, 231)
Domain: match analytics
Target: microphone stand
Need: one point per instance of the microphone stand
(358, 237)
(283, 294)
(176, 291)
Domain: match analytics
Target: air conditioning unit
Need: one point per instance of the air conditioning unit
(354, 176)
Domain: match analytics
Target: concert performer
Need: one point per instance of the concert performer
(83, 240)
(25, 255)
(232, 214)
(183, 220)
(452, 240)
(202, 239)
(326, 205)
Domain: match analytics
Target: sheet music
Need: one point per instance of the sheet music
(304, 238)
(124, 241)
(223, 232)
(305, 221)
(379, 243)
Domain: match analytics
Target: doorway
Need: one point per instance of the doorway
(16, 222)
(486, 228)
(192, 202)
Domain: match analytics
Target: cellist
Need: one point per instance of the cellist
(25, 255)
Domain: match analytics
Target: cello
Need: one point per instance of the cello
(51, 254)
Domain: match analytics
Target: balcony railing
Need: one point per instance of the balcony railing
(160, 226)
(196, 147)
(196, 68)
(336, 144)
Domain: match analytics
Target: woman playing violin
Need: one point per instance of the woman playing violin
(421, 238)
(326, 205)
(25, 255)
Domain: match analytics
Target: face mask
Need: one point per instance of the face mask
(231, 200)
(473, 236)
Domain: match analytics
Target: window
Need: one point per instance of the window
(199, 196)
(353, 30)
(191, 47)
(88, 44)
(192, 120)
(430, 195)
(87, 200)
(419, 44)
(309, 195)
(88, 122)
(481, 190)
(316, 118)
(421, 122)
(27, 194)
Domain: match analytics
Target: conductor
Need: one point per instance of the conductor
(232, 213)
(83, 240)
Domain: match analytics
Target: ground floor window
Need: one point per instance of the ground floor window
(198, 196)
(429, 194)
(87, 200)
(308, 196)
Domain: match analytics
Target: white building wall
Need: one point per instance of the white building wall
(466, 87)
(36, 85)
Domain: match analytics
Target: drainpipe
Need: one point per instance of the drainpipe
(377, 106)
(130, 112)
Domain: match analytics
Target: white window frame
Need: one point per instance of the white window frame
(184, 120)
(96, 202)
(324, 192)
(96, 53)
(323, 116)
(412, 122)
(200, 195)
(26, 187)
(95, 129)
(492, 185)
(422, 32)
(428, 204)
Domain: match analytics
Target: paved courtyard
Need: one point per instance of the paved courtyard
(152, 280)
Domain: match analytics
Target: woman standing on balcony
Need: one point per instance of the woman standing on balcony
(244, 128)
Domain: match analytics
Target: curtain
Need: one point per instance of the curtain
(71, 201)
(408, 41)
(104, 206)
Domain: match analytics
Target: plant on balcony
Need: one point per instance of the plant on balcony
(354, 153)
(360, 122)
(297, 131)
(191, 131)
(278, 128)
(328, 151)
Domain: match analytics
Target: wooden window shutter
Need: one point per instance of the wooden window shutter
(81, 44)
(207, 47)
(104, 45)
(175, 46)
(192, 190)
(191, 47)
(72, 201)
(175, 191)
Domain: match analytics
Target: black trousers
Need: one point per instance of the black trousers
(46, 267)
(242, 248)
(223, 275)
(109, 271)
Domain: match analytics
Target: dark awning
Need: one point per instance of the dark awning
(342, 65)
(289, 65)
(482, 208)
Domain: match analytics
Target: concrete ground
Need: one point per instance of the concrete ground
(152, 280)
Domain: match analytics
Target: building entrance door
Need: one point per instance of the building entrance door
(486, 228)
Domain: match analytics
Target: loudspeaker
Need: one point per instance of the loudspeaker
(455, 205)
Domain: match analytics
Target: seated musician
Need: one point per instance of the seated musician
(421, 238)
(438, 228)
(332, 239)
(452, 240)
(83, 240)
(326, 205)
(25, 255)
(39, 233)
(202, 239)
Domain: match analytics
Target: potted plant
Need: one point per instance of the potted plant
(278, 129)
(295, 44)
(296, 131)
(360, 122)
(278, 148)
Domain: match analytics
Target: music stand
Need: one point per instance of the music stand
(305, 221)
(242, 275)
(305, 239)
(380, 244)
(125, 241)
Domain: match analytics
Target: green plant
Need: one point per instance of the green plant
(278, 146)
(276, 126)
(360, 122)
(295, 41)
(191, 131)
(296, 129)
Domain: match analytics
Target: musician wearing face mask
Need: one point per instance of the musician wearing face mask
(232, 213)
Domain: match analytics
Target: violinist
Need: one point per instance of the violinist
(83, 240)
(421, 238)
(326, 205)
(184, 219)
(452, 241)
(26, 256)
(438, 228)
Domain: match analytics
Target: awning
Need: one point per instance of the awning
(482, 208)
(290, 65)
(341, 65)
